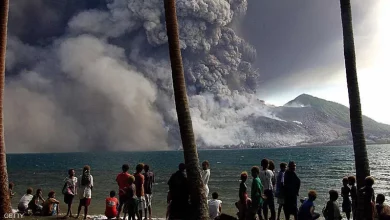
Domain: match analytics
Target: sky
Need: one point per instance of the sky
(299, 45)
(95, 75)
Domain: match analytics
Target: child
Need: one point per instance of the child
(215, 207)
(132, 202)
(382, 211)
(271, 166)
(205, 173)
(306, 211)
(243, 204)
(353, 192)
(345, 191)
(256, 192)
(369, 199)
(332, 210)
(279, 194)
(11, 188)
(112, 204)
(169, 199)
(51, 206)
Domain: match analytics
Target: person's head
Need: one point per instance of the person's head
(146, 168)
(125, 168)
(244, 176)
(131, 179)
(369, 181)
(71, 172)
(215, 195)
(345, 181)
(139, 167)
(112, 194)
(312, 195)
(333, 195)
(283, 167)
(51, 194)
(29, 190)
(292, 166)
(182, 167)
(11, 185)
(86, 168)
(271, 165)
(264, 164)
(380, 198)
(39, 192)
(205, 165)
(351, 180)
(255, 171)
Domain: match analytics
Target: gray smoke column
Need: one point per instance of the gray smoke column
(106, 84)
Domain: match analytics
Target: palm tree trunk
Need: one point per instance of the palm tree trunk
(197, 192)
(359, 143)
(5, 205)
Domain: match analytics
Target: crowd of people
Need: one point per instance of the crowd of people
(135, 196)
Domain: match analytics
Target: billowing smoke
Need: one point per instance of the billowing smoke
(105, 83)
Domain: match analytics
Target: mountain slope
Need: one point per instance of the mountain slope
(305, 120)
(329, 121)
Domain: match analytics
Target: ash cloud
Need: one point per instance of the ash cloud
(102, 82)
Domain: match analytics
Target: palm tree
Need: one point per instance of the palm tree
(197, 193)
(5, 204)
(359, 143)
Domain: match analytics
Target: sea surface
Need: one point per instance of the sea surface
(319, 168)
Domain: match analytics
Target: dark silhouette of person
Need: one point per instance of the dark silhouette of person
(292, 185)
(178, 188)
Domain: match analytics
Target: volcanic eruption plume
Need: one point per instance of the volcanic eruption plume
(104, 82)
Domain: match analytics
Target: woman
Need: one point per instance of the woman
(85, 190)
(36, 204)
(205, 173)
(69, 190)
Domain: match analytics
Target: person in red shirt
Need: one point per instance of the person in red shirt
(111, 206)
(139, 185)
(123, 182)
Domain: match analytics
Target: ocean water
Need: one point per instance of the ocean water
(319, 168)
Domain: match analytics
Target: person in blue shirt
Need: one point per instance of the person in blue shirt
(306, 211)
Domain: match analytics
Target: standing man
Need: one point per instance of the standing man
(123, 182)
(266, 177)
(139, 185)
(149, 181)
(292, 185)
(179, 194)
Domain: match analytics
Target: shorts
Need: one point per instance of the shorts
(141, 203)
(68, 199)
(280, 201)
(148, 198)
(85, 202)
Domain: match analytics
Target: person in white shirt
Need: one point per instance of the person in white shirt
(205, 173)
(266, 177)
(215, 206)
(25, 200)
(85, 190)
(70, 190)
